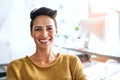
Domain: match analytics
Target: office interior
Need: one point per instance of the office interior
(89, 29)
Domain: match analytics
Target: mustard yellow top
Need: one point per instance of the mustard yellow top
(66, 67)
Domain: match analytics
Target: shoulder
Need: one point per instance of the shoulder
(17, 62)
(72, 60)
(69, 57)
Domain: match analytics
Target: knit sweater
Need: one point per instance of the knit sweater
(66, 67)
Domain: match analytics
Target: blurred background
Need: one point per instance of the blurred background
(84, 26)
(81, 23)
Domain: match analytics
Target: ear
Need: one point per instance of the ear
(56, 31)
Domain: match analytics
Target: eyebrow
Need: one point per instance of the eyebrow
(41, 26)
(49, 26)
(37, 27)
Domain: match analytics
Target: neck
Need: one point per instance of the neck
(44, 56)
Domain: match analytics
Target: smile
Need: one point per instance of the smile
(44, 40)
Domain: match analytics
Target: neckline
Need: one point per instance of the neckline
(47, 66)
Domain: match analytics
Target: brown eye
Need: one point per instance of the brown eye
(37, 29)
(50, 28)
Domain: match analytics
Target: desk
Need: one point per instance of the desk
(111, 55)
(103, 71)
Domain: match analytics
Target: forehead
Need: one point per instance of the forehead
(43, 20)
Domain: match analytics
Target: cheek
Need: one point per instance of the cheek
(34, 35)
(54, 34)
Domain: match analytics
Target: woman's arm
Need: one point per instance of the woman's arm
(77, 69)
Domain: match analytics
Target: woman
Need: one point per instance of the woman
(44, 64)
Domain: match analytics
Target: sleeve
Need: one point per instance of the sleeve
(77, 69)
(11, 72)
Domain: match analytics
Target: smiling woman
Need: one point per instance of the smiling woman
(43, 31)
(44, 62)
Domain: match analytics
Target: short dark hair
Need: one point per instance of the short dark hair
(42, 11)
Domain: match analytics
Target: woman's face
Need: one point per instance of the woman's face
(44, 31)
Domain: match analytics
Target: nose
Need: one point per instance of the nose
(44, 33)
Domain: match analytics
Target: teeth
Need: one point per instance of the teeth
(43, 40)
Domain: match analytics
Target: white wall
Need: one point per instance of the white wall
(14, 22)
(113, 30)
(15, 29)
(111, 40)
